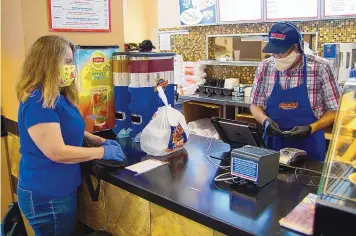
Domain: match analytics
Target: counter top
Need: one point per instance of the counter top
(186, 187)
(218, 99)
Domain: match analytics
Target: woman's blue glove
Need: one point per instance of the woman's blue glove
(113, 153)
(110, 142)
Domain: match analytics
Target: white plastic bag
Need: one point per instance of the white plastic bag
(167, 132)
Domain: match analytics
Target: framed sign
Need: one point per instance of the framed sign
(79, 16)
(291, 9)
(231, 11)
(339, 8)
(197, 12)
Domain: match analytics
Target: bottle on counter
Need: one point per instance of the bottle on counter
(239, 91)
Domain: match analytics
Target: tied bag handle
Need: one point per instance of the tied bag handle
(162, 95)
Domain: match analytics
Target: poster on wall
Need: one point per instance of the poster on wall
(79, 16)
(291, 9)
(339, 8)
(235, 11)
(197, 12)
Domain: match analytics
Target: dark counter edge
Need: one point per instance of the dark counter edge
(213, 223)
(9, 126)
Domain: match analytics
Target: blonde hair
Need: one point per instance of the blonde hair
(41, 70)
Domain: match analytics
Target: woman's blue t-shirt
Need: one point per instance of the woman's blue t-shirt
(39, 174)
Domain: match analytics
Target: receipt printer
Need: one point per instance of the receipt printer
(255, 164)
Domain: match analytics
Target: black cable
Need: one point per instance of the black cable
(310, 184)
(216, 186)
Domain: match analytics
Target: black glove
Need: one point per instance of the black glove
(300, 132)
(271, 127)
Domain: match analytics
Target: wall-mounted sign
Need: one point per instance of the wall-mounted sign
(238, 11)
(291, 9)
(83, 15)
(339, 8)
(197, 12)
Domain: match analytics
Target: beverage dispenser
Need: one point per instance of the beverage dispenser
(121, 89)
(95, 85)
(147, 71)
(343, 57)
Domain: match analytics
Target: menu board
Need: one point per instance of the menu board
(291, 9)
(83, 15)
(339, 8)
(197, 12)
(239, 10)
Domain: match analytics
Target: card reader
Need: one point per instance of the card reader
(255, 164)
(292, 156)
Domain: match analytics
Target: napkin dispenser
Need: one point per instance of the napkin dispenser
(231, 83)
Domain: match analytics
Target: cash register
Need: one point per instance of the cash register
(248, 156)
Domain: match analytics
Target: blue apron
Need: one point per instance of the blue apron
(290, 108)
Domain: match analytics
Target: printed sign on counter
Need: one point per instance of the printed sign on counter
(291, 9)
(235, 11)
(197, 12)
(339, 8)
(83, 15)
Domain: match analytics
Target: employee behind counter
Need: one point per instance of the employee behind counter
(294, 96)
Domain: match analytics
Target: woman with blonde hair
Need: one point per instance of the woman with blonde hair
(51, 135)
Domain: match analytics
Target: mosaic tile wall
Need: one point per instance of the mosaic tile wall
(192, 45)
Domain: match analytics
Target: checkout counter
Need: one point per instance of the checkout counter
(181, 197)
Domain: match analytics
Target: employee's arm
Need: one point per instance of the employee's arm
(258, 113)
(94, 138)
(324, 122)
(48, 138)
(330, 96)
(258, 95)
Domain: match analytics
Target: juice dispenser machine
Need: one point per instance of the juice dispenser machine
(136, 78)
(95, 84)
(122, 95)
(147, 71)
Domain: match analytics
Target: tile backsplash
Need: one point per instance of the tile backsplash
(192, 46)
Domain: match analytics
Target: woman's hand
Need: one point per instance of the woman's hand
(113, 153)
(108, 142)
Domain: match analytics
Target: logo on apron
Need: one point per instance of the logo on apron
(288, 105)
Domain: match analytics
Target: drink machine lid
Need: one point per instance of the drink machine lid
(144, 54)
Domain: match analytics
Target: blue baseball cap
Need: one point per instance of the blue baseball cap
(281, 37)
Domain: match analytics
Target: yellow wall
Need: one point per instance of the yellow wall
(12, 54)
(151, 8)
(140, 20)
(135, 24)
(24, 21)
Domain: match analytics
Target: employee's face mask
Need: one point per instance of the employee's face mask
(67, 75)
(282, 64)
